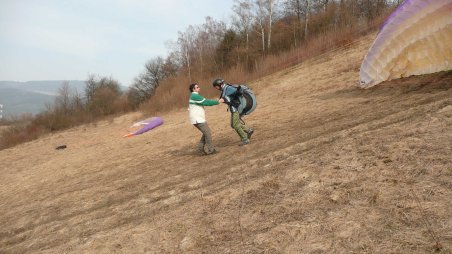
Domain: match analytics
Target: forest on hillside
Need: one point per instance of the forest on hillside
(260, 31)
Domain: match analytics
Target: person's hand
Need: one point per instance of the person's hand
(221, 100)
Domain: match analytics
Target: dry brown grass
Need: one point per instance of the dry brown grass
(331, 169)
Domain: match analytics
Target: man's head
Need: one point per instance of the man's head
(217, 83)
(194, 87)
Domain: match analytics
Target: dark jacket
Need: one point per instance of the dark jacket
(231, 94)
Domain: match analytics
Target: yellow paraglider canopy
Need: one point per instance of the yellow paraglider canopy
(416, 39)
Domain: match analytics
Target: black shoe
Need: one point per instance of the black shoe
(250, 132)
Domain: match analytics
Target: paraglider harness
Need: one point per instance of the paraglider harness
(243, 100)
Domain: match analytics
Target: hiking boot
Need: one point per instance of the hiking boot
(245, 142)
(250, 132)
(201, 151)
(214, 151)
(200, 148)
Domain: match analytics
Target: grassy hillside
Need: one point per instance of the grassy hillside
(331, 169)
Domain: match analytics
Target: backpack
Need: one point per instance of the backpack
(247, 100)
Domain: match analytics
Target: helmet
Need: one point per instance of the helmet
(218, 82)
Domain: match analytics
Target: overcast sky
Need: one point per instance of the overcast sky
(70, 39)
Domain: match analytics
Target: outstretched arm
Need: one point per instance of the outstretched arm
(201, 101)
(207, 102)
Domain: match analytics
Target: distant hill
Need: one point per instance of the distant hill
(32, 96)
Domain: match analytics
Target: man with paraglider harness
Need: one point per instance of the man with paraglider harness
(241, 101)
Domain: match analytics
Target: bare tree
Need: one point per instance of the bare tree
(243, 20)
(101, 92)
(260, 18)
(264, 17)
(147, 82)
(307, 10)
(320, 5)
(63, 100)
(207, 38)
(295, 7)
(270, 5)
(67, 101)
(186, 42)
(94, 83)
(197, 45)
(302, 9)
(171, 65)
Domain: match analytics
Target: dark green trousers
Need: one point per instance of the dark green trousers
(237, 125)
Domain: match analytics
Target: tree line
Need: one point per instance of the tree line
(258, 28)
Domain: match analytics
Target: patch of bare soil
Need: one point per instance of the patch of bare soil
(331, 168)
